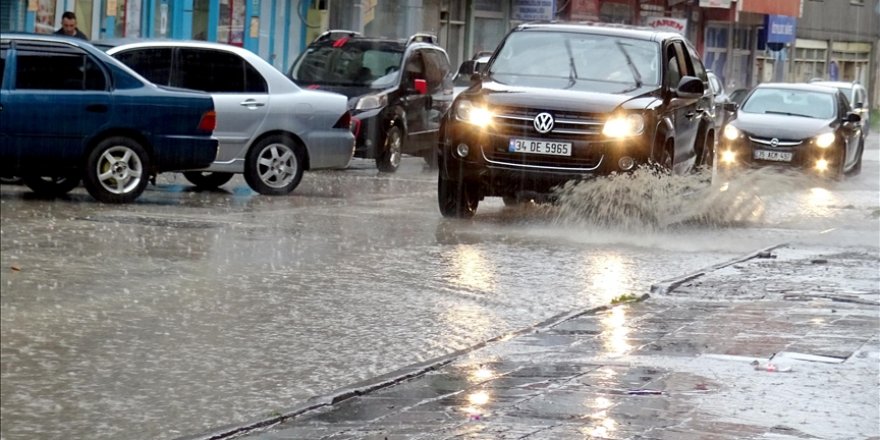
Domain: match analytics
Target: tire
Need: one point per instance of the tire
(207, 179)
(661, 164)
(117, 170)
(274, 166)
(389, 160)
(52, 186)
(457, 199)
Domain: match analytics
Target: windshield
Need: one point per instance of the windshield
(791, 102)
(361, 64)
(576, 56)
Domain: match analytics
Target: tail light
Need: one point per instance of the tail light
(355, 126)
(208, 122)
(344, 121)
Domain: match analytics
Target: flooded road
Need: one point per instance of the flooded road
(189, 310)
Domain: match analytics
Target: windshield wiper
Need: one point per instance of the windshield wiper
(629, 62)
(786, 114)
(572, 72)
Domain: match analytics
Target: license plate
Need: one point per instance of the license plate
(529, 146)
(776, 156)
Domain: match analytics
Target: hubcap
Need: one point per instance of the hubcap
(277, 165)
(119, 170)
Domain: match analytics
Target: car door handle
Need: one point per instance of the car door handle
(252, 103)
(690, 115)
(96, 108)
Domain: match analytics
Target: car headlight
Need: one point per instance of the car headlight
(624, 126)
(468, 112)
(825, 140)
(370, 102)
(731, 133)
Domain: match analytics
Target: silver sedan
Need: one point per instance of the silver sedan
(267, 127)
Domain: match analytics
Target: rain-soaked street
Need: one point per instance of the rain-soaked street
(189, 310)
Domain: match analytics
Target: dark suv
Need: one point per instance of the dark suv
(397, 89)
(569, 101)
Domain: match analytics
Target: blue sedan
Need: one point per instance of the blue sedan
(69, 112)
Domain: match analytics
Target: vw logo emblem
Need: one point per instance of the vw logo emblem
(543, 122)
(774, 142)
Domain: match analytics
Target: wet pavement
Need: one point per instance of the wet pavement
(722, 356)
(190, 310)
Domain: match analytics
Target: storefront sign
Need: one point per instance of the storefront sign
(585, 9)
(780, 28)
(667, 24)
(723, 4)
(111, 8)
(534, 10)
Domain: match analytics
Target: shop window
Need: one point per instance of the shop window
(231, 29)
(45, 23)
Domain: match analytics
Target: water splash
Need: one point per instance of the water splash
(648, 200)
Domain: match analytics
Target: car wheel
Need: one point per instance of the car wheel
(117, 170)
(207, 179)
(52, 186)
(389, 160)
(457, 199)
(662, 161)
(274, 166)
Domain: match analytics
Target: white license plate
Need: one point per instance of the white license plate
(777, 156)
(530, 146)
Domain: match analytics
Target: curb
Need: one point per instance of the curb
(420, 369)
(669, 285)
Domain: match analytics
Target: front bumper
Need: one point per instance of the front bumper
(369, 133)
(806, 156)
(502, 172)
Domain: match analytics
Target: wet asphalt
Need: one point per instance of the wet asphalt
(188, 310)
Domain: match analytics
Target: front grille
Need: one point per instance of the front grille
(515, 121)
(760, 142)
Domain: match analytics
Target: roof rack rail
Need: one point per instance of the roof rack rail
(422, 38)
(333, 33)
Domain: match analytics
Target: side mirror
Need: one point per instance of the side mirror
(853, 117)
(731, 107)
(476, 77)
(421, 86)
(690, 87)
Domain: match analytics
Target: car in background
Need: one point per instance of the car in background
(857, 97)
(397, 89)
(738, 96)
(268, 128)
(546, 111)
(805, 126)
(69, 112)
(467, 69)
(722, 108)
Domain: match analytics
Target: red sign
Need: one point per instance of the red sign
(791, 8)
(584, 9)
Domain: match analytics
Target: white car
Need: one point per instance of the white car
(268, 128)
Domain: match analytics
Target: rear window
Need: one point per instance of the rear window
(361, 64)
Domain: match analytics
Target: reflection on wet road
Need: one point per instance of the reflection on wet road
(188, 310)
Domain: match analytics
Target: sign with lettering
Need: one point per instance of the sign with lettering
(780, 28)
(534, 10)
(724, 4)
(667, 24)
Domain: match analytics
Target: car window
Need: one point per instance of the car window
(154, 64)
(435, 70)
(673, 69)
(41, 66)
(565, 55)
(697, 65)
(349, 63)
(861, 97)
(4, 47)
(791, 102)
(217, 72)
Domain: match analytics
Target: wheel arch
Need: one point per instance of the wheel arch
(663, 133)
(137, 136)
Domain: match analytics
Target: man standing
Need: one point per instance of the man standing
(68, 26)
